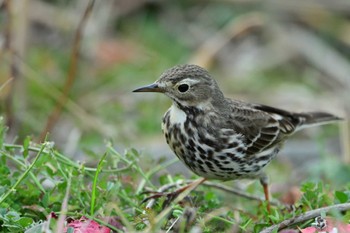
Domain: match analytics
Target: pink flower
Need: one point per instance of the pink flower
(85, 225)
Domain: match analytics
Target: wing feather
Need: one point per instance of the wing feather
(262, 127)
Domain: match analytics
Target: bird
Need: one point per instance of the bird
(221, 138)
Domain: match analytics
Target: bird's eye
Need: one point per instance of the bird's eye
(183, 88)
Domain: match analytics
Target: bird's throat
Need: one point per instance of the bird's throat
(177, 116)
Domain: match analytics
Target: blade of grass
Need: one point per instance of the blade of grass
(94, 185)
(15, 160)
(65, 160)
(24, 175)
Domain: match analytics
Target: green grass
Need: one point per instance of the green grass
(35, 178)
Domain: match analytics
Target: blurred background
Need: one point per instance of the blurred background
(68, 68)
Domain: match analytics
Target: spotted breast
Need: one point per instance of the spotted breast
(213, 154)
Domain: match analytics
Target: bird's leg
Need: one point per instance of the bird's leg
(264, 181)
(170, 196)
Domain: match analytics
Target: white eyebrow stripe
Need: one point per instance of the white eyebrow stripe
(189, 81)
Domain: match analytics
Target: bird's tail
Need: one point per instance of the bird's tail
(314, 118)
(295, 121)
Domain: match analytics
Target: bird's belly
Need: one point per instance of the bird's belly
(219, 165)
(212, 163)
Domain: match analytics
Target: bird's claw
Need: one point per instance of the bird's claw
(169, 197)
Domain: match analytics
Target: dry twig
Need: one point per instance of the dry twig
(306, 216)
(71, 75)
(13, 73)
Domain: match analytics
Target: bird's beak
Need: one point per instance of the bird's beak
(149, 88)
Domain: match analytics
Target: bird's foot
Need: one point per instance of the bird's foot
(171, 196)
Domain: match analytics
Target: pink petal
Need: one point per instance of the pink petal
(84, 225)
(309, 230)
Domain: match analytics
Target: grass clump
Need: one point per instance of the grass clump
(42, 189)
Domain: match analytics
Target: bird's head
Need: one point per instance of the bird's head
(188, 85)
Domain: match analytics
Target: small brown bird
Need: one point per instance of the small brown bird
(220, 138)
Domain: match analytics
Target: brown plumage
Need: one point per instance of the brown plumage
(220, 138)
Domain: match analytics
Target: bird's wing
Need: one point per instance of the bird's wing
(262, 126)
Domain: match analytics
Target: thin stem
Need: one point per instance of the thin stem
(24, 175)
(23, 165)
(72, 72)
(65, 160)
(94, 184)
